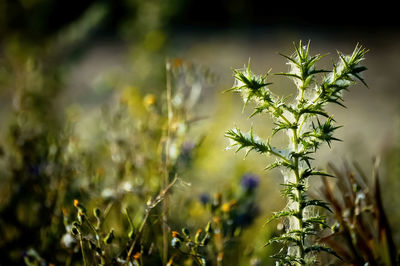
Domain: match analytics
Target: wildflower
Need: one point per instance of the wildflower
(226, 207)
(175, 234)
(137, 255)
(204, 198)
(249, 181)
(149, 100)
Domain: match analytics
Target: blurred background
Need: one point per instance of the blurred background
(64, 65)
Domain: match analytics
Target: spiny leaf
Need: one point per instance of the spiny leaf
(315, 220)
(283, 126)
(313, 112)
(292, 75)
(318, 248)
(247, 141)
(310, 172)
(287, 164)
(288, 259)
(285, 239)
(282, 214)
(318, 203)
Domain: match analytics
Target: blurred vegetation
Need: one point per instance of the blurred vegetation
(145, 164)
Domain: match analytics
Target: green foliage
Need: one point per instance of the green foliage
(301, 121)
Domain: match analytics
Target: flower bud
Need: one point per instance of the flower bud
(137, 256)
(92, 245)
(74, 231)
(175, 234)
(109, 238)
(175, 242)
(208, 228)
(131, 234)
(197, 236)
(205, 240)
(81, 217)
(97, 213)
(186, 232)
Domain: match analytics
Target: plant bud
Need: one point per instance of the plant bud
(197, 236)
(92, 245)
(175, 234)
(74, 231)
(81, 217)
(208, 228)
(137, 256)
(97, 213)
(76, 224)
(131, 234)
(206, 240)
(109, 238)
(175, 242)
(186, 232)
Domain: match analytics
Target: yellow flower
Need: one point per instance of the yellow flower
(226, 207)
(149, 100)
(175, 234)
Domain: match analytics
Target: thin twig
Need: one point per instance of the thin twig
(160, 197)
(166, 163)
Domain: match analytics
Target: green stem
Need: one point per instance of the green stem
(82, 249)
(279, 155)
(95, 232)
(166, 164)
(299, 193)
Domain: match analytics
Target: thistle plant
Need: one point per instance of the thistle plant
(308, 125)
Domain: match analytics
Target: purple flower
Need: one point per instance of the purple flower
(187, 147)
(249, 181)
(205, 198)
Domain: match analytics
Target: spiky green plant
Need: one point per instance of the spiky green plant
(308, 125)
